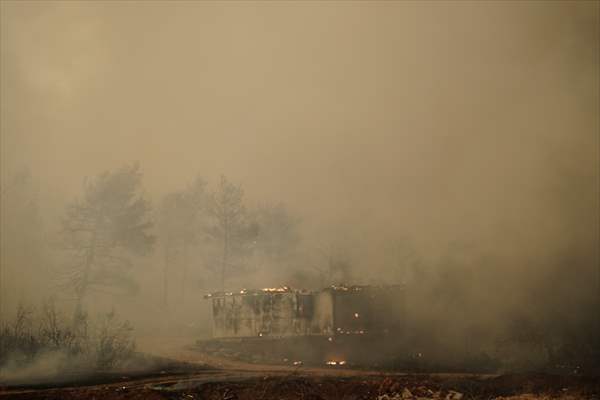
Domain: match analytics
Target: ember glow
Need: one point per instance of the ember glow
(281, 289)
(335, 362)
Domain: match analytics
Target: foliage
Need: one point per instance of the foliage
(30, 335)
(101, 229)
(181, 223)
(17, 339)
(218, 228)
(230, 226)
(181, 214)
(114, 343)
(278, 234)
(57, 333)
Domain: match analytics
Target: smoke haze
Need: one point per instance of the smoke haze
(467, 130)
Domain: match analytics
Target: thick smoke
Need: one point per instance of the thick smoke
(450, 146)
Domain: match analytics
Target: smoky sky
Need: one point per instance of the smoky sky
(439, 120)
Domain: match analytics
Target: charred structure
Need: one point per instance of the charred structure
(336, 325)
(284, 312)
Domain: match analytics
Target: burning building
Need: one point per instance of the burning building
(284, 312)
(338, 326)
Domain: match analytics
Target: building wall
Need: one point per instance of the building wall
(347, 311)
(263, 314)
(322, 322)
(363, 310)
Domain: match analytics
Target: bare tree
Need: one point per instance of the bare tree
(100, 230)
(230, 227)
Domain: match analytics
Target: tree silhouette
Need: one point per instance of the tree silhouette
(103, 228)
(230, 227)
(181, 220)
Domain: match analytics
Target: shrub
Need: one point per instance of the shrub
(30, 336)
(114, 342)
(17, 339)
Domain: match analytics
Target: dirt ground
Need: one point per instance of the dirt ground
(210, 378)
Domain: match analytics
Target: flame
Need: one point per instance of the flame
(343, 332)
(276, 290)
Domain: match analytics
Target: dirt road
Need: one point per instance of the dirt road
(182, 349)
(214, 378)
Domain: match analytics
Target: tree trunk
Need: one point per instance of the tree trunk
(166, 274)
(1, 284)
(224, 261)
(330, 270)
(82, 289)
(598, 304)
(185, 266)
